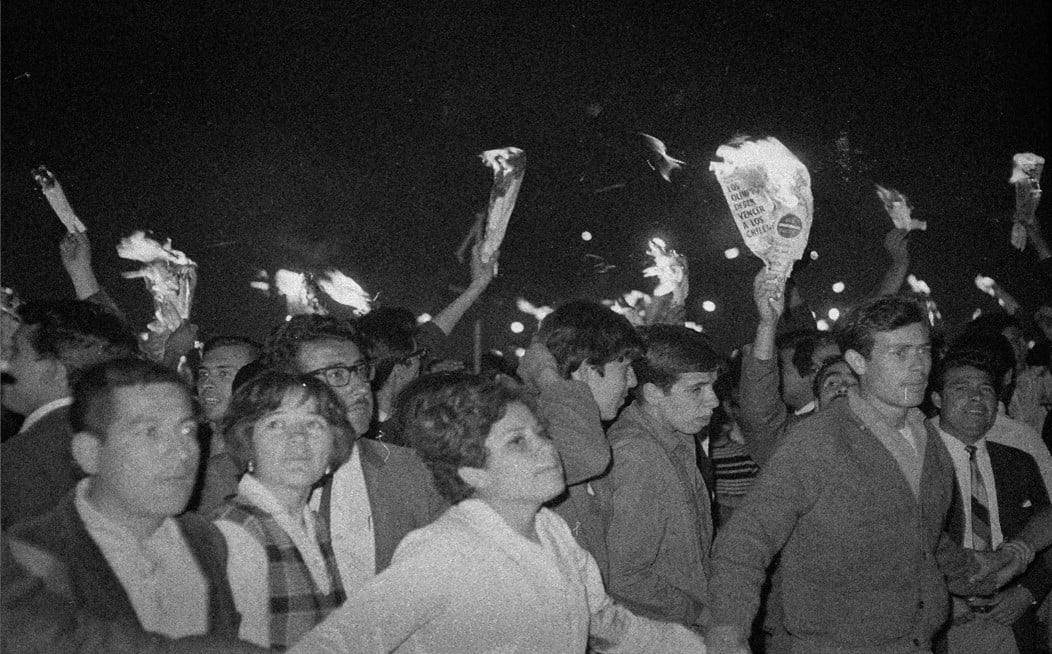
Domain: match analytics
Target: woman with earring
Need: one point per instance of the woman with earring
(285, 432)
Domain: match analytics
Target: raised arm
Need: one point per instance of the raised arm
(482, 273)
(896, 243)
(763, 413)
(75, 250)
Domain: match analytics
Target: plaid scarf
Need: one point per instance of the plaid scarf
(296, 604)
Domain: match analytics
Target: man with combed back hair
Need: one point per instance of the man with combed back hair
(855, 500)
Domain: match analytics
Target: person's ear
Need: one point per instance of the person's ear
(936, 399)
(86, 449)
(474, 477)
(651, 393)
(56, 374)
(583, 373)
(856, 361)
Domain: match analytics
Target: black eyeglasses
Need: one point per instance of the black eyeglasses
(337, 376)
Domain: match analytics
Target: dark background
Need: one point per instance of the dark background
(311, 134)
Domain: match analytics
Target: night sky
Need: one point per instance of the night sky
(311, 134)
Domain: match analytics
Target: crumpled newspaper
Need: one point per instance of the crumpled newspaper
(768, 191)
(670, 268)
(509, 166)
(170, 276)
(1026, 176)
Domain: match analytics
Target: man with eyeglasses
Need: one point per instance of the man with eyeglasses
(383, 491)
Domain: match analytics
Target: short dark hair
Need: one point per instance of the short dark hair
(823, 373)
(582, 332)
(989, 340)
(982, 360)
(447, 416)
(670, 351)
(858, 328)
(92, 409)
(803, 343)
(391, 339)
(77, 333)
(282, 345)
(231, 341)
(265, 393)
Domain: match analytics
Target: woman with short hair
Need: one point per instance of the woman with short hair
(284, 431)
(497, 571)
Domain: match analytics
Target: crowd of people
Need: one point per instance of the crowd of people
(347, 486)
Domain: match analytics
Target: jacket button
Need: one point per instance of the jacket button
(920, 604)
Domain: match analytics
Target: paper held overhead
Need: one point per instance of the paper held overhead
(670, 267)
(56, 197)
(170, 276)
(899, 209)
(768, 191)
(509, 166)
(1026, 176)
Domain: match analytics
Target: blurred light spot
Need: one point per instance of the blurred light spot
(822, 325)
(695, 326)
(586, 236)
(517, 327)
(838, 287)
(708, 305)
(977, 313)
(1030, 345)
(520, 352)
(732, 253)
(814, 255)
(422, 318)
(834, 313)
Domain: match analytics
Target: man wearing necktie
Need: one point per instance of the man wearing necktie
(1000, 491)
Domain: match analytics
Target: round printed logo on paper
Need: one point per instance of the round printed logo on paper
(789, 226)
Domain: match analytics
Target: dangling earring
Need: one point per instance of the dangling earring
(251, 466)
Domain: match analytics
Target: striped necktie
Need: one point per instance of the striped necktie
(981, 539)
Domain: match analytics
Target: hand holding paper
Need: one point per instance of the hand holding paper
(899, 208)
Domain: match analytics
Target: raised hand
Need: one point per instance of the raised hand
(768, 291)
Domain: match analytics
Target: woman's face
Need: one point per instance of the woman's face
(292, 444)
(522, 464)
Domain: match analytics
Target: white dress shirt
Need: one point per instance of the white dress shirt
(351, 524)
(42, 410)
(160, 575)
(962, 468)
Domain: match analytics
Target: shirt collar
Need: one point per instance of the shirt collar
(258, 495)
(98, 523)
(35, 416)
(805, 409)
(954, 442)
